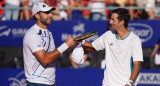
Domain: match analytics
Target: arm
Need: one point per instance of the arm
(135, 72)
(154, 51)
(88, 46)
(46, 58)
(137, 56)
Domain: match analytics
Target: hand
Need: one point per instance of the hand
(80, 43)
(126, 85)
(69, 41)
(129, 83)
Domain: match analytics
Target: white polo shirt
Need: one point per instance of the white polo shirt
(36, 39)
(118, 55)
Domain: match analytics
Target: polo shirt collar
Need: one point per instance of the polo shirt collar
(37, 28)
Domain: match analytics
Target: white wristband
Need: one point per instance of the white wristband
(130, 82)
(83, 41)
(62, 48)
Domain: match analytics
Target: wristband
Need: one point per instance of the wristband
(62, 48)
(130, 82)
(83, 41)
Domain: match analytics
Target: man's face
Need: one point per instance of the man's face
(45, 17)
(114, 22)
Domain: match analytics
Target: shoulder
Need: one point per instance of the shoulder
(109, 32)
(31, 34)
(134, 37)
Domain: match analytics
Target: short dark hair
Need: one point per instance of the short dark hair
(123, 14)
(34, 16)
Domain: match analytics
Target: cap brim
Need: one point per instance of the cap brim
(50, 9)
(53, 8)
(46, 10)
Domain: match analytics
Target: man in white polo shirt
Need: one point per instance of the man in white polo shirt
(123, 51)
(39, 49)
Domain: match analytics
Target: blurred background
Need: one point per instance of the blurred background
(77, 17)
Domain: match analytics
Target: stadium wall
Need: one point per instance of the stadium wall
(76, 77)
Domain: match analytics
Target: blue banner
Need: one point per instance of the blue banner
(75, 77)
(12, 32)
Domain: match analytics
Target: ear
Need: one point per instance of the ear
(122, 22)
(37, 16)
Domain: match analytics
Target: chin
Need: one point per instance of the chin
(112, 28)
(49, 23)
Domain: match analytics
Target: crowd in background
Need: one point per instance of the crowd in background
(78, 9)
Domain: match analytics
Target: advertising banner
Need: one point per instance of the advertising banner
(75, 77)
(12, 32)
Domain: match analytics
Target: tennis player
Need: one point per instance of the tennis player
(39, 49)
(122, 49)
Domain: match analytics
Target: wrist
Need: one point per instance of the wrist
(62, 48)
(130, 82)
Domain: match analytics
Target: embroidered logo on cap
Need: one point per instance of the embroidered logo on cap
(44, 6)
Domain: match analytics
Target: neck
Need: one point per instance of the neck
(121, 34)
(41, 25)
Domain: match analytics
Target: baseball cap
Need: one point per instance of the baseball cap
(41, 7)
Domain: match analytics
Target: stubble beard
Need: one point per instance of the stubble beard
(46, 22)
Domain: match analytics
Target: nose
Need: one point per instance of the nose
(110, 22)
(50, 14)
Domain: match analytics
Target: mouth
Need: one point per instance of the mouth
(49, 19)
(112, 25)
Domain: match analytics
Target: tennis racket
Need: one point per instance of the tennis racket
(85, 36)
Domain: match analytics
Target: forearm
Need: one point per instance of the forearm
(88, 46)
(46, 58)
(135, 71)
(52, 56)
(152, 54)
(154, 51)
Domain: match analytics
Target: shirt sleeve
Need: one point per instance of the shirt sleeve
(34, 42)
(99, 44)
(137, 54)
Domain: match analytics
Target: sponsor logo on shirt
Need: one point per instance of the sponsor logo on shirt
(38, 45)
